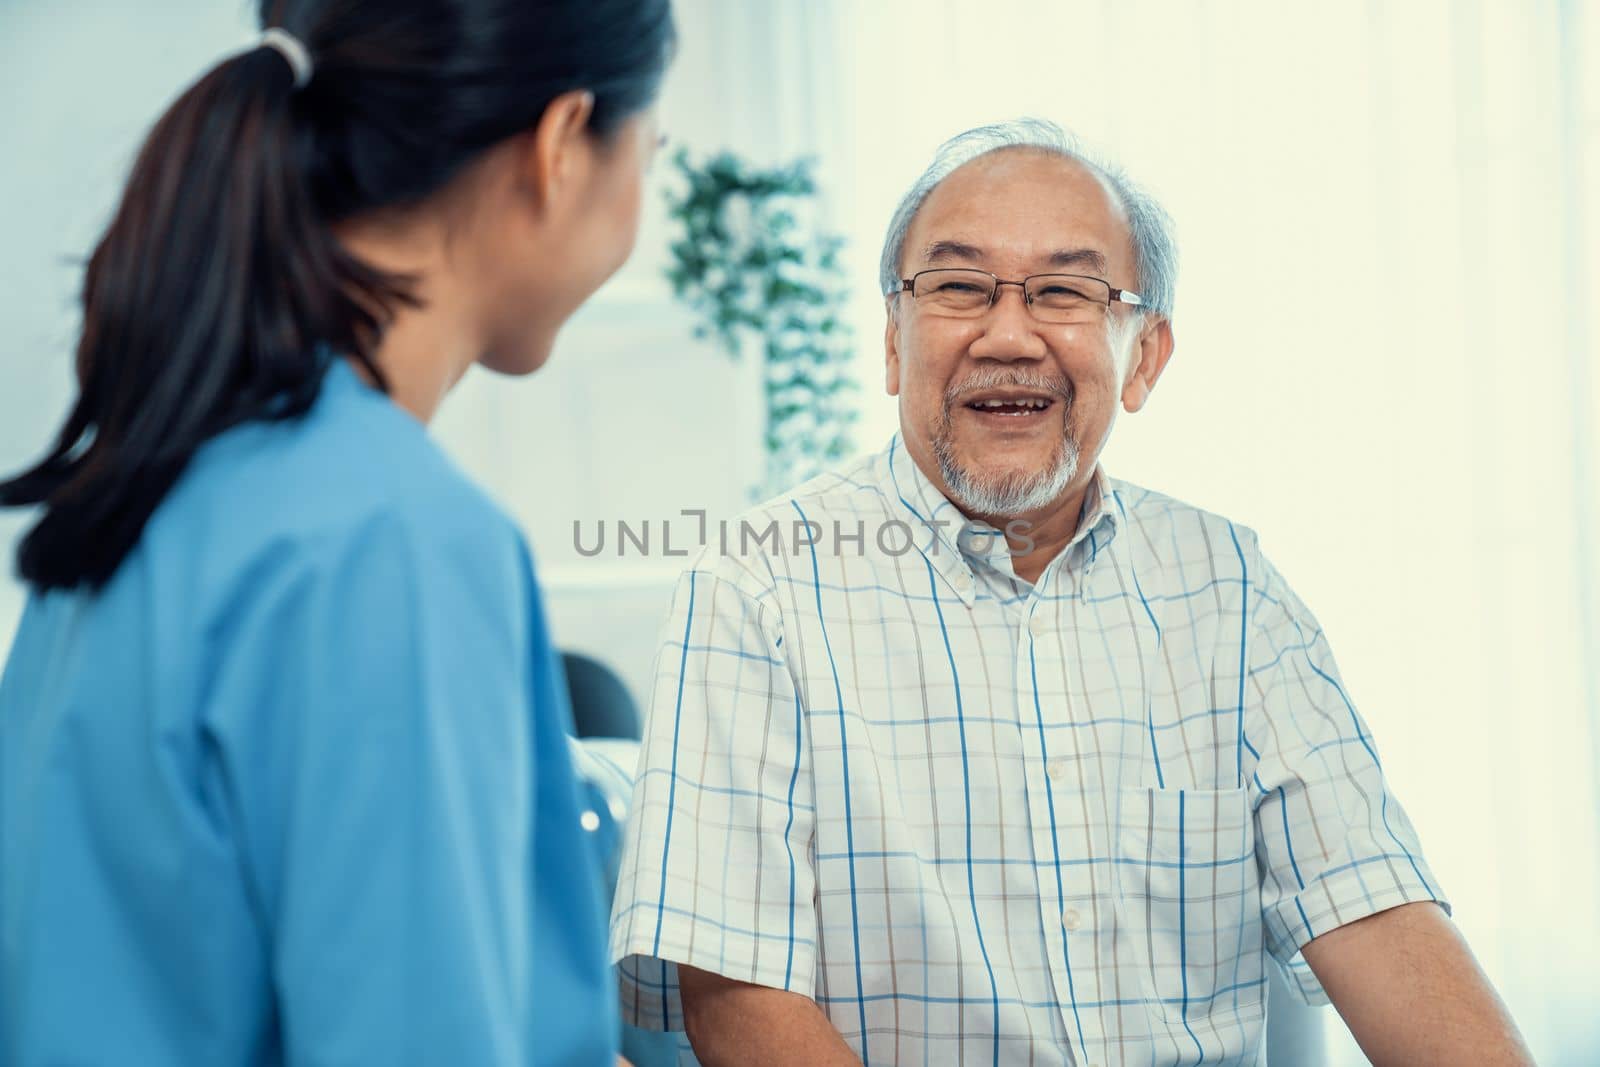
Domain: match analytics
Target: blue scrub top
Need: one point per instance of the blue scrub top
(294, 786)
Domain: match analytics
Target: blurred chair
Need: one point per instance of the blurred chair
(606, 754)
(1294, 1030)
(601, 703)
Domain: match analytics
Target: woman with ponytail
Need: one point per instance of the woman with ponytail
(283, 775)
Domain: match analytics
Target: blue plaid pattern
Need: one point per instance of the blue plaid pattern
(984, 821)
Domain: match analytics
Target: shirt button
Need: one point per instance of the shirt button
(589, 821)
(1071, 920)
(1039, 626)
(1057, 769)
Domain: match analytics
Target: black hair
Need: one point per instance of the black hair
(218, 288)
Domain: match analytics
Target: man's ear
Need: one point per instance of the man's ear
(1152, 351)
(550, 152)
(891, 347)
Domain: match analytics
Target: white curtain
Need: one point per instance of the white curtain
(1386, 363)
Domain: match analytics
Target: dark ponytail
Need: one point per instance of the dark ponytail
(202, 306)
(219, 287)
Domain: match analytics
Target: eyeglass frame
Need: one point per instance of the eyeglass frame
(1122, 296)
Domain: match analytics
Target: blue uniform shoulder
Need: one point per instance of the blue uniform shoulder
(354, 455)
(317, 484)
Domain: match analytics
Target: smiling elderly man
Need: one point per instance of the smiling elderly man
(1004, 760)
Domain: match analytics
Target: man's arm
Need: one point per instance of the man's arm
(733, 819)
(1409, 989)
(733, 1022)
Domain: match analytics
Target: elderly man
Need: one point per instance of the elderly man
(999, 759)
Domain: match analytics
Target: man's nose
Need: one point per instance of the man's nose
(1010, 332)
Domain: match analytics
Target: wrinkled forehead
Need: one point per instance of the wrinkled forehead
(1016, 211)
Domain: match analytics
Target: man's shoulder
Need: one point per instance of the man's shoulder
(839, 491)
(755, 549)
(839, 497)
(1165, 525)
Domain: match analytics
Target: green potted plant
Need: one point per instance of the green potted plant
(761, 277)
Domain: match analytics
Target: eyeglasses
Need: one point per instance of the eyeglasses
(1058, 298)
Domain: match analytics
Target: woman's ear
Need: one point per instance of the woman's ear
(555, 149)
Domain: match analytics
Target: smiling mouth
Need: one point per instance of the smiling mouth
(1023, 407)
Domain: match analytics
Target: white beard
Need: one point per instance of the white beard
(1006, 495)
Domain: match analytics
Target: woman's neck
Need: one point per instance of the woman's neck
(423, 355)
(426, 348)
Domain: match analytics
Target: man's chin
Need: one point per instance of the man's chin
(1000, 476)
(1009, 493)
(993, 480)
(1006, 455)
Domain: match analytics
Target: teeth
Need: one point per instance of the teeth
(1027, 402)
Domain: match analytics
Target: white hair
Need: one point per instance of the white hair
(1155, 255)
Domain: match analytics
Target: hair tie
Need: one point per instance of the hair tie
(294, 53)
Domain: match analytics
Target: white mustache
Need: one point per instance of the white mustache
(986, 381)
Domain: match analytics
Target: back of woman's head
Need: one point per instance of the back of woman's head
(219, 288)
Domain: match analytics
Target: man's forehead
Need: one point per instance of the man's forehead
(1017, 202)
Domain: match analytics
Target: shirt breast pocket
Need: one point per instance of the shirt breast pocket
(1189, 900)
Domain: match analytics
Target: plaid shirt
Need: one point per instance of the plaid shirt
(983, 821)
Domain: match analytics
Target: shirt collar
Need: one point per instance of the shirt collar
(1098, 523)
(952, 543)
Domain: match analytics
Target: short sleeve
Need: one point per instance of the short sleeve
(389, 712)
(717, 870)
(1332, 843)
